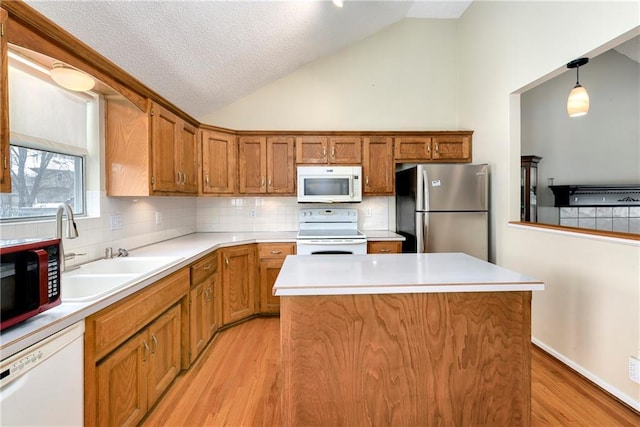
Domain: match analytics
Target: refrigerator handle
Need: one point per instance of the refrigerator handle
(422, 202)
(422, 232)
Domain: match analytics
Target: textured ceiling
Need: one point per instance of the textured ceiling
(204, 55)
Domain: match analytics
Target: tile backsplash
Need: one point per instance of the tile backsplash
(122, 222)
(625, 219)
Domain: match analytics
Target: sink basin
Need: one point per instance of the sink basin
(99, 278)
(85, 287)
(127, 265)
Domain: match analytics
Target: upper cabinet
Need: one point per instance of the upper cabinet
(219, 158)
(437, 147)
(266, 165)
(151, 152)
(328, 150)
(5, 171)
(377, 165)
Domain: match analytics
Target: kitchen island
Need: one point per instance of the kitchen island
(406, 339)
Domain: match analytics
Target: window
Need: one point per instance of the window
(50, 128)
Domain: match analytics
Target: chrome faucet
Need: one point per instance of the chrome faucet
(72, 229)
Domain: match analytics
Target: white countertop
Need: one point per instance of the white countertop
(188, 248)
(396, 273)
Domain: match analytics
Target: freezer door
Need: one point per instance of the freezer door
(452, 187)
(454, 232)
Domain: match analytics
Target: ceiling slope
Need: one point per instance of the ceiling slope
(204, 55)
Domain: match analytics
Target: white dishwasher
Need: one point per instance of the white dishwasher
(43, 384)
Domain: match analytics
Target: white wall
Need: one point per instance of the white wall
(602, 147)
(401, 78)
(589, 312)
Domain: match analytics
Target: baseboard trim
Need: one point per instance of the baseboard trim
(626, 399)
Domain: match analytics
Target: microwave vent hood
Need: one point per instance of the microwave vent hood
(596, 195)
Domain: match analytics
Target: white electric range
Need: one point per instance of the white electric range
(330, 231)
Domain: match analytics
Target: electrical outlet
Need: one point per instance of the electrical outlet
(368, 212)
(115, 222)
(634, 369)
(252, 213)
(158, 218)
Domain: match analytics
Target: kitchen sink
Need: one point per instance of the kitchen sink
(127, 265)
(86, 287)
(99, 278)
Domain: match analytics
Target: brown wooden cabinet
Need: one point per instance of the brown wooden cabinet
(238, 282)
(377, 165)
(133, 350)
(130, 380)
(5, 158)
(271, 257)
(384, 247)
(219, 158)
(446, 147)
(147, 153)
(328, 150)
(266, 165)
(205, 305)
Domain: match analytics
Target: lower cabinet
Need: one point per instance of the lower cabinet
(133, 351)
(205, 305)
(384, 247)
(238, 266)
(271, 257)
(132, 378)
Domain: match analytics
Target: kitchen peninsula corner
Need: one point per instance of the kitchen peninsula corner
(404, 339)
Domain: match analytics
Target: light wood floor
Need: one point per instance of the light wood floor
(235, 382)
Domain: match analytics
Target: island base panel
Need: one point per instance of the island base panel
(407, 359)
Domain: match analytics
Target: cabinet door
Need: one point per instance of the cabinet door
(269, 270)
(188, 155)
(412, 148)
(210, 316)
(311, 149)
(5, 158)
(345, 150)
(164, 338)
(197, 333)
(219, 154)
(164, 135)
(455, 147)
(280, 165)
(122, 384)
(252, 163)
(377, 165)
(238, 282)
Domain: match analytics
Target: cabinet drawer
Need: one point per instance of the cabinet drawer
(204, 268)
(115, 324)
(276, 250)
(384, 247)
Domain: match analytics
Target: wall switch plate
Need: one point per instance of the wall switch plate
(252, 213)
(158, 217)
(368, 212)
(634, 369)
(115, 222)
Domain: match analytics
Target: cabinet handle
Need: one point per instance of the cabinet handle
(207, 267)
(436, 147)
(385, 250)
(146, 350)
(226, 262)
(427, 147)
(276, 252)
(206, 180)
(262, 182)
(154, 340)
(367, 180)
(184, 177)
(333, 152)
(324, 151)
(269, 183)
(5, 162)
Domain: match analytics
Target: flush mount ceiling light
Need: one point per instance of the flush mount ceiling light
(70, 78)
(578, 101)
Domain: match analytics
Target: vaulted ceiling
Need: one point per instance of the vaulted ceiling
(204, 55)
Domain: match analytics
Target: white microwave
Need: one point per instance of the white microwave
(329, 184)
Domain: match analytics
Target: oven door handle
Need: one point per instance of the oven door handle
(321, 242)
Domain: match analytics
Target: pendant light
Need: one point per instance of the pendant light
(578, 101)
(70, 78)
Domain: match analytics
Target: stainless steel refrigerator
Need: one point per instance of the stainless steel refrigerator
(443, 208)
